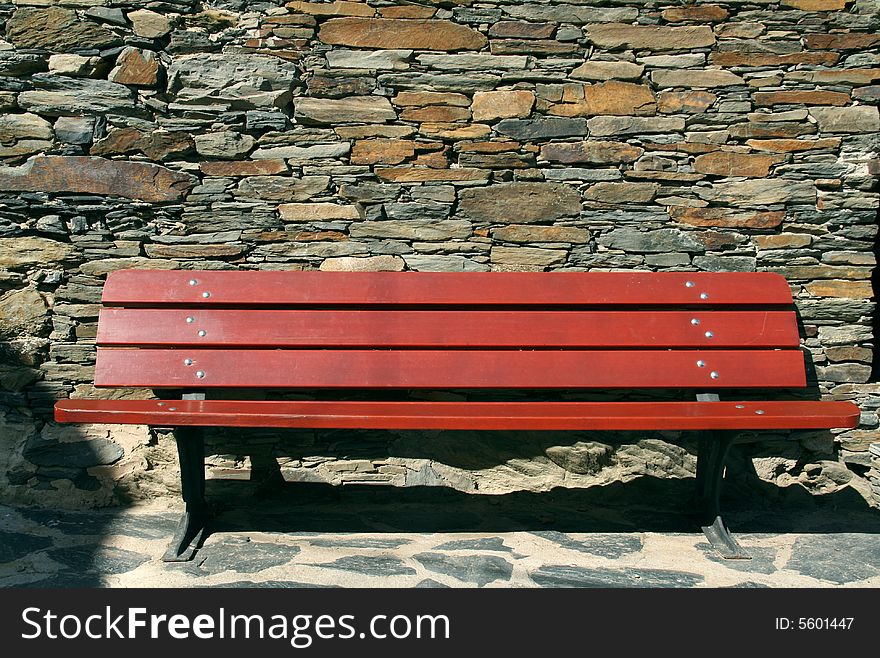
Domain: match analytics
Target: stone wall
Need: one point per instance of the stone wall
(460, 135)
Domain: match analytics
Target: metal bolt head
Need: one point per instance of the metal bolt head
(187, 362)
(172, 408)
(200, 374)
(689, 284)
(709, 334)
(203, 333)
(704, 295)
(206, 294)
(190, 319)
(740, 406)
(193, 282)
(760, 412)
(161, 404)
(701, 364)
(695, 321)
(713, 375)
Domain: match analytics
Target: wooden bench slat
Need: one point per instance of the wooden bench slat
(158, 368)
(467, 415)
(148, 288)
(340, 328)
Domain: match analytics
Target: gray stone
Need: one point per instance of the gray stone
(19, 64)
(107, 15)
(99, 560)
(573, 576)
(656, 241)
(377, 60)
(371, 565)
(332, 150)
(75, 130)
(838, 558)
(413, 229)
(858, 119)
(519, 202)
(227, 144)
(420, 210)
(542, 128)
(473, 62)
(259, 120)
(582, 458)
(610, 546)
(149, 24)
(22, 312)
(234, 81)
(282, 188)
(602, 126)
(77, 454)
(478, 569)
(442, 263)
(56, 29)
(360, 542)
(759, 192)
(725, 263)
(440, 81)
(244, 556)
(16, 545)
(483, 544)
(571, 13)
(63, 96)
(355, 109)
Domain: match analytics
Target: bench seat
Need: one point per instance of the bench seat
(746, 415)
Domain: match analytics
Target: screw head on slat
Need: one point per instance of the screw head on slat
(701, 364)
(740, 406)
(704, 295)
(760, 412)
(200, 374)
(713, 375)
(695, 321)
(187, 362)
(689, 284)
(161, 404)
(172, 408)
(206, 294)
(193, 282)
(203, 333)
(190, 319)
(709, 334)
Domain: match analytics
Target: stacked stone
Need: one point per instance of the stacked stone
(874, 472)
(452, 135)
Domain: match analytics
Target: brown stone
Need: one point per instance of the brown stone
(512, 203)
(486, 147)
(601, 70)
(436, 114)
(799, 97)
(847, 41)
(455, 131)
(532, 47)
(156, 145)
(57, 30)
(690, 102)
(423, 98)
(413, 175)
(682, 147)
(522, 30)
(490, 105)
(815, 5)
(368, 131)
(383, 263)
(354, 109)
(785, 129)
(194, 250)
(620, 35)
(382, 151)
(837, 288)
(406, 11)
(725, 218)
(771, 59)
(529, 233)
(595, 152)
(282, 188)
(725, 163)
(680, 176)
(135, 66)
(243, 168)
(610, 98)
(90, 175)
(695, 14)
(607, 192)
(106, 265)
(792, 145)
(783, 241)
(530, 257)
(708, 78)
(389, 33)
(317, 212)
(336, 8)
(17, 252)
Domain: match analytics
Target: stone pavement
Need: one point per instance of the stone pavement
(380, 537)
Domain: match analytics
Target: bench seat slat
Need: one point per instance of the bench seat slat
(467, 415)
(145, 288)
(362, 328)
(495, 369)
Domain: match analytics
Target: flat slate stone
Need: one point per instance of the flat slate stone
(761, 562)
(479, 569)
(370, 566)
(839, 558)
(244, 556)
(483, 544)
(570, 576)
(360, 542)
(106, 561)
(609, 546)
(142, 526)
(270, 584)
(16, 545)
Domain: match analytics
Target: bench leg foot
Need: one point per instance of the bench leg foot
(713, 451)
(192, 527)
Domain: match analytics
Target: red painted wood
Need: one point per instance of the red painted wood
(310, 328)
(157, 288)
(467, 415)
(158, 368)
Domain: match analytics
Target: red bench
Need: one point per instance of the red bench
(191, 333)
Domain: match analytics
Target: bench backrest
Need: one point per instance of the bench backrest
(179, 329)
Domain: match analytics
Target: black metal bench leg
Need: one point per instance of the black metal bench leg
(191, 527)
(713, 450)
